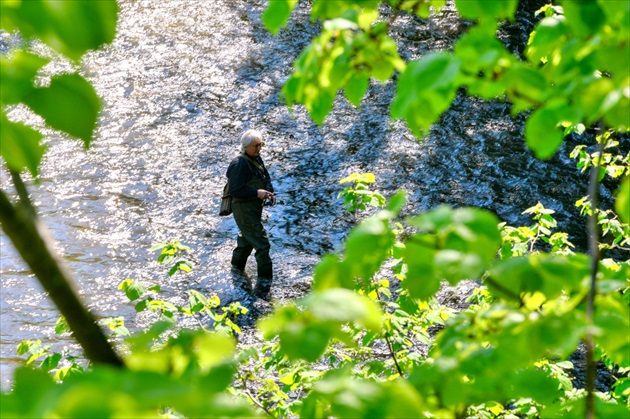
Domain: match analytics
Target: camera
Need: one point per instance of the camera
(267, 203)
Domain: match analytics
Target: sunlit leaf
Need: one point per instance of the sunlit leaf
(397, 202)
(20, 146)
(326, 9)
(542, 132)
(342, 306)
(528, 87)
(308, 342)
(535, 384)
(425, 89)
(367, 247)
(29, 388)
(17, 72)
(485, 10)
(455, 266)
(132, 289)
(422, 280)
(355, 88)
(598, 98)
(213, 349)
(622, 204)
(277, 14)
(69, 104)
(330, 272)
(339, 24)
(55, 23)
(549, 34)
(61, 326)
(584, 17)
(613, 319)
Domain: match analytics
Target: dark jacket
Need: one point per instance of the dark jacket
(245, 178)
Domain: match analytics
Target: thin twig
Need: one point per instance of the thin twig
(391, 347)
(391, 350)
(251, 397)
(503, 289)
(593, 244)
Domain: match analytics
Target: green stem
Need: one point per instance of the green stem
(593, 244)
(391, 350)
(31, 241)
(251, 397)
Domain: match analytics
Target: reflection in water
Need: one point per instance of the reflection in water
(180, 84)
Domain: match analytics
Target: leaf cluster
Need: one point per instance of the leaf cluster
(68, 102)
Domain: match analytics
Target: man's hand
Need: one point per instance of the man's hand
(265, 194)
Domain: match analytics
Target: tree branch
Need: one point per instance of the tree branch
(31, 241)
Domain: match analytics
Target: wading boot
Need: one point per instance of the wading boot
(240, 279)
(262, 288)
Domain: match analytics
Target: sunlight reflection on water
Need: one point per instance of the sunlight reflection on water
(179, 85)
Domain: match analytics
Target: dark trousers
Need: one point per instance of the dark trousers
(252, 235)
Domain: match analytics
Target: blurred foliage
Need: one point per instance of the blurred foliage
(371, 339)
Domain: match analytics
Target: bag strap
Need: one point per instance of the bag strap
(258, 165)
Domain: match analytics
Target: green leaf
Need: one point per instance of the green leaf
(51, 362)
(132, 289)
(340, 24)
(367, 247)
(437, 219)
(158, 246)
(343, 306)
(69, 104)
(549, 34)
(527, 87)
(141, 306)
(618, 117)
(330, 272)
(425, 89)
(598, 98)
(212, 350)
(455, 266)
(355, 88)
(30, 388)
(542, 132)
(584, 17)
(422, 280)
(62, 326)
(613, 319)
(20, 146)
(622, 204)
(397, 202)
(59, 24)
(535, 384)
(486, 10)
(327, 9)
(16, 75)
(277, 14)
(549, 274)
(306, 342)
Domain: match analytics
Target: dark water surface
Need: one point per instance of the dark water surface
(181, 82)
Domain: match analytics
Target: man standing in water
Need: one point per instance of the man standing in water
(250, 187)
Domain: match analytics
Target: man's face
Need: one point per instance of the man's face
(253, 149)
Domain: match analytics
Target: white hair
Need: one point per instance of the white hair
(248, 136)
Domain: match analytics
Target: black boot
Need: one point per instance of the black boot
(262, 288)
(241, 280)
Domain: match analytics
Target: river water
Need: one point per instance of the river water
(181, 82)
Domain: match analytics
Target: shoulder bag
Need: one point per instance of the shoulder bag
(226, 201)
